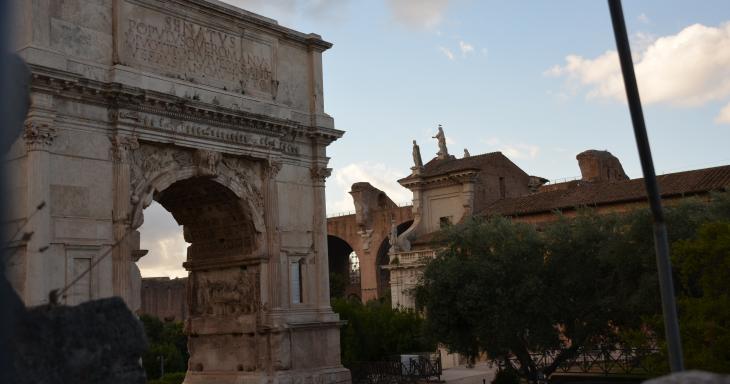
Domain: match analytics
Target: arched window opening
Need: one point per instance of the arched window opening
(344, 267)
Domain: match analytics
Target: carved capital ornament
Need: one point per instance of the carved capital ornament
(121, 148)
(320, 174)
(38, 136)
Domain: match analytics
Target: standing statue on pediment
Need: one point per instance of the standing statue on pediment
(443, 152)
(393, 238)
(417, 161)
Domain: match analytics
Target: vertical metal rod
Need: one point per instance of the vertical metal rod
(661, 241)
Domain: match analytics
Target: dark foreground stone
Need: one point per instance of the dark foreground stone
(99, 341)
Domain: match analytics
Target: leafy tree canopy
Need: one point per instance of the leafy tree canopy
(166, 340)
(511, 289)
(374, 331)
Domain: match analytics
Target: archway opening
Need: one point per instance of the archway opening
(223, 282)
(344, 267)
(383, 258)
(162, 237)
(214, 221)
(160, 261)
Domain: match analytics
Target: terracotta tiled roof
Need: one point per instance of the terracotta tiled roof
(437, 167)
(591, 194)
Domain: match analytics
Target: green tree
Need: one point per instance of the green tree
(508, 289)
(166, 340)
(375, 331)
(338, 285)
(703, 265)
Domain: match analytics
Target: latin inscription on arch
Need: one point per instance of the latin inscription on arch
(180, 48)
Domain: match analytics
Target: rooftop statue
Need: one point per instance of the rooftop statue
(418, 163)
(443, 152)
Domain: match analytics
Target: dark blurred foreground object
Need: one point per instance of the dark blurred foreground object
(99, 341)
(691, 377)
(17, 100)
(14, 103)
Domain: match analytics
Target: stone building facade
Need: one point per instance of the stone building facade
(164, 298)
(446, 190)
(217, 114)
(367, 233)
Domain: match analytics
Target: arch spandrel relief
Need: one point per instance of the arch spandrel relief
(154, 167)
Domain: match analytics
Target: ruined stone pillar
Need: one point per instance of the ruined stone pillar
(122, 253)
(38, 135)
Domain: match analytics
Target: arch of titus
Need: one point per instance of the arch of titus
(217, 114)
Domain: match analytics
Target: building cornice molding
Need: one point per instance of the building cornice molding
(122, 99)
(453, 178)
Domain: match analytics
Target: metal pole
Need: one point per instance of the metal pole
(661, 242)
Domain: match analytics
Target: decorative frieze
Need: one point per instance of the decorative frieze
(180, 127)
(226, 295)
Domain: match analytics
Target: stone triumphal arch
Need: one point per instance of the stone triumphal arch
(217, 114)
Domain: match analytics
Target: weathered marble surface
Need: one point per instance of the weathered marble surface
(218, 114)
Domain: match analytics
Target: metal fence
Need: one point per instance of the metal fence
(604, 362)
(411, 368)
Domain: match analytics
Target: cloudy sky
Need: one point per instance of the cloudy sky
(537, 80)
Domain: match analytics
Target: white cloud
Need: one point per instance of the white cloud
(377, 174)
(640, 42)
(513, 150)
(422, 14)
(447, 53)
(724, 116)
(643, 18)
(465, 48)
(161, 235)
(686, 69)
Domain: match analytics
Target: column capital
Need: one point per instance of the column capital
(272, 168)
(320, 174)
(38, 136)
(121, 148)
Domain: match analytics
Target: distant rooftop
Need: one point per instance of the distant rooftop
(580, 193)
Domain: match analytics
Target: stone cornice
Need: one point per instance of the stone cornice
(454, 178)
(118, 96)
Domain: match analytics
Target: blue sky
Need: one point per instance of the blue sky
(537, 80)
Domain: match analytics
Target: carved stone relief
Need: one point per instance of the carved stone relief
(149, 160)
(170, 44)
(227, 293)
(207, 162)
